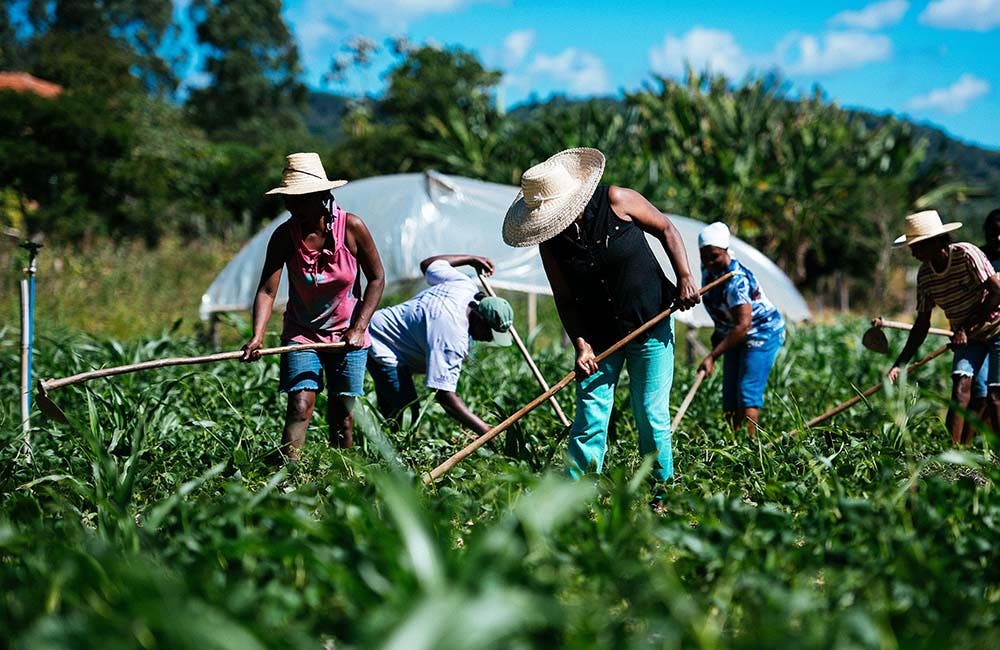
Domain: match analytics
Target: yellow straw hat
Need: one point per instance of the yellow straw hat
(304, 174)
(553, 193)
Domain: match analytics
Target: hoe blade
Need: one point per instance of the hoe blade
(47, 406)
(874, 339)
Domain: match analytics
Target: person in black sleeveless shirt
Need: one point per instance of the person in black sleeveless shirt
(606, 283)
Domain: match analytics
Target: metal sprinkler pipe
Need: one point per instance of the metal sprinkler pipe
(27, 341)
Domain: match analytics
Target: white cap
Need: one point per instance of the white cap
(716, 234)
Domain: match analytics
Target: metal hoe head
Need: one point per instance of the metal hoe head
(874, 339)
(47, 406)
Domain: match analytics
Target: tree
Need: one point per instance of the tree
(432, 81)
(11, 51)
(114, 46)
(809, 183)
(252, 65)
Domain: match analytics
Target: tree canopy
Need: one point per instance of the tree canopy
(252, 66)
(820, 189)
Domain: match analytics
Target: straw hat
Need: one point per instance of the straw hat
(924, 225)
(304, 174)
(553, 194)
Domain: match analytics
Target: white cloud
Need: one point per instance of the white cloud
(321, 26)
(874, 16)
(975, 15)
(516, 46)
(834, 52)
(580, 72)
(953, 99)
(704, 49)
(396, 14)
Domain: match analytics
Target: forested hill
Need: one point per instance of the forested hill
(973, 163)
(324, 115)
(977, 165)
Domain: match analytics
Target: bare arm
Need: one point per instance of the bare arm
(630, 204)
(456, 408)
(278, 250)
(565, 301)
(482, 265)
(371, 265)
(735, 336)
(913, 341)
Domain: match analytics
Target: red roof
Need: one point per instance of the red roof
(25, 83)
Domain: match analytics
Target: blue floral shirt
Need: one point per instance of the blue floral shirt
(742, 289)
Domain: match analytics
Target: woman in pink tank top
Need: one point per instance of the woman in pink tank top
(323, 246)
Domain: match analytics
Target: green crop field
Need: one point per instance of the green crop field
(153, 520)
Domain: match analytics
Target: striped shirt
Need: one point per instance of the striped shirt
(958, 289)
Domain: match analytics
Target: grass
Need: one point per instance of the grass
(153, 520)
(117, 290)
(126, 291)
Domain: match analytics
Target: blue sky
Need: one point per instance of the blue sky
(933, 60)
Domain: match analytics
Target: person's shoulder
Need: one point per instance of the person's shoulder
(282, 235)
(441, 271)
(355, 222)
(740, 272)
(438, 265)
(743, 271)
(618, 195)
(967, 249)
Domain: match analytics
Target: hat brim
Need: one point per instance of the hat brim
(499, 340)
(945, 228)
(525, 226)
(503, 339)
(308, 188)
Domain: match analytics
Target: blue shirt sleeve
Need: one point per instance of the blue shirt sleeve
(738, 291)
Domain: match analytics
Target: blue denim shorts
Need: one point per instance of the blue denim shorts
(981, 361)
(305, 370)
(745, 370)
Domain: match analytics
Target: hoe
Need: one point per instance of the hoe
(52, 410)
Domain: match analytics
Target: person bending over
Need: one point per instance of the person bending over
(606, 283)
(430, 334)
(958, 278)
(749, 331)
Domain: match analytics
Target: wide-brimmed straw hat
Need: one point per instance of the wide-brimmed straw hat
(553, 193)
(304, 174)
(924, 225)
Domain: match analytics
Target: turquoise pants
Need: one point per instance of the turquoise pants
(650, 362)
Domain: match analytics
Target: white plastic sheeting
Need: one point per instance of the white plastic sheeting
(414, 216)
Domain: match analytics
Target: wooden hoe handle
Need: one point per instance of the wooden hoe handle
(436, 473)
(687, 400)
(52, 384)
(897, 325)
(527, 357)
(872, 390)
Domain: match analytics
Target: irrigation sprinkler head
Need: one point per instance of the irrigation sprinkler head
(874, 339)
(47, 406)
